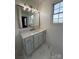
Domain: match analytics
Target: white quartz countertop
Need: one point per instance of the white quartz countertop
(25, 34)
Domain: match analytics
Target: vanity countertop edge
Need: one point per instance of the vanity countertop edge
(30, 33)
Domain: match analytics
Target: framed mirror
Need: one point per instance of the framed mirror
(28, 19)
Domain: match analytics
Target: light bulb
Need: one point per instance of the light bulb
(29, 9)
(24, 8)
(33, 10)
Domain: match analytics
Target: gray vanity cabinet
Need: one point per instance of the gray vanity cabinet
(39, 38)
(34, 41)
(28, 45)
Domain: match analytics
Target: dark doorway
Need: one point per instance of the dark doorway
(24, 22)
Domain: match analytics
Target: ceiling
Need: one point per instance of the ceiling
(34, 3)
(37, 1)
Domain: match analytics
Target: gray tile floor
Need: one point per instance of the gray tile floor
(42, 53)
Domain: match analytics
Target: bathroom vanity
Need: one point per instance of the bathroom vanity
(33, 40)
(29, 24)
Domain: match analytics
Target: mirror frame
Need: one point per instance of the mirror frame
(20, 19)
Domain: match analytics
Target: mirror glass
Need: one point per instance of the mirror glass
(28, 19)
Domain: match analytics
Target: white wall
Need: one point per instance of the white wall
(54, 31)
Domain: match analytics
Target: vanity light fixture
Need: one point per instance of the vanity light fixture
(29, 8)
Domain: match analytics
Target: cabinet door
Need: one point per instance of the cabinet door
(36, 41)
(29, 45)
(44, 35)
(40, 38)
